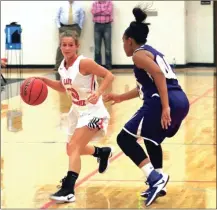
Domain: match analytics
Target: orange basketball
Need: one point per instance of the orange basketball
(33, 91)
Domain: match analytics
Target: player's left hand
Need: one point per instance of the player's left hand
(93, 98)
(165, 118)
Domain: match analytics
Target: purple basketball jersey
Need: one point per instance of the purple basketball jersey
(145, 82)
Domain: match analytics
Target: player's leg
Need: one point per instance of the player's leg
(135, 152)
(127, 142)
(155, 154)
(102, 154)
(179, 108)
(78, 141)
(88, 150)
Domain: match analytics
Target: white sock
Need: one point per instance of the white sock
(147, 169)
(159, 170)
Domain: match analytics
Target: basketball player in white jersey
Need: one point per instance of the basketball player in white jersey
(88, 116)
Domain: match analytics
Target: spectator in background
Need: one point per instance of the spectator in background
(70, 16)
(102, 12)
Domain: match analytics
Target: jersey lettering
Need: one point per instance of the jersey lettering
(67, 81)
(165, 67)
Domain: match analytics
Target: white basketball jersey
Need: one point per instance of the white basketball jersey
(79, 86)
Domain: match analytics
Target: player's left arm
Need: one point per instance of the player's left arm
(143, 61)
(88, 66)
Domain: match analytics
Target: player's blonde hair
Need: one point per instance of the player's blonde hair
(70, 33)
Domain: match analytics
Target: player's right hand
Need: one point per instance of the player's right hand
(112, 97)
(165, 118)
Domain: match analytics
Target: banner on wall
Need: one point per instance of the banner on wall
(13, 36)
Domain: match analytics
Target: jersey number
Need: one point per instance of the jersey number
(74, 93)
(165, 67)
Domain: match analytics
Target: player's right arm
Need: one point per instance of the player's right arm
(134, 93)
(117, 98)
(56, 85)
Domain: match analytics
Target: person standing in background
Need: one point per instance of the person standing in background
(102, 12)
(70, 16)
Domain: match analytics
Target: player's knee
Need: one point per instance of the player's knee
(120, 139)
(72, 148)
(130, 147)
(125, 141)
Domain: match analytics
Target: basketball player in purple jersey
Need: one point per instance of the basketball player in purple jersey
(164, 108)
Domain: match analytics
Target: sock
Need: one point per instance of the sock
(72, 174)
(97, 152)
(72, 177)
(159, 170)
(147, 169)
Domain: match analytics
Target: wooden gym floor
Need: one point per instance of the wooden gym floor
(33, 160)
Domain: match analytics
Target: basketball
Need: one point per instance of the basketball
(33, 91)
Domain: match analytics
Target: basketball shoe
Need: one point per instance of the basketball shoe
(145, 193)
(157, 183)
(66, 192)
(103, 154)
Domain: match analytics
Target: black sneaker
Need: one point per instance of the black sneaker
(103, 159)
(65, 194)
